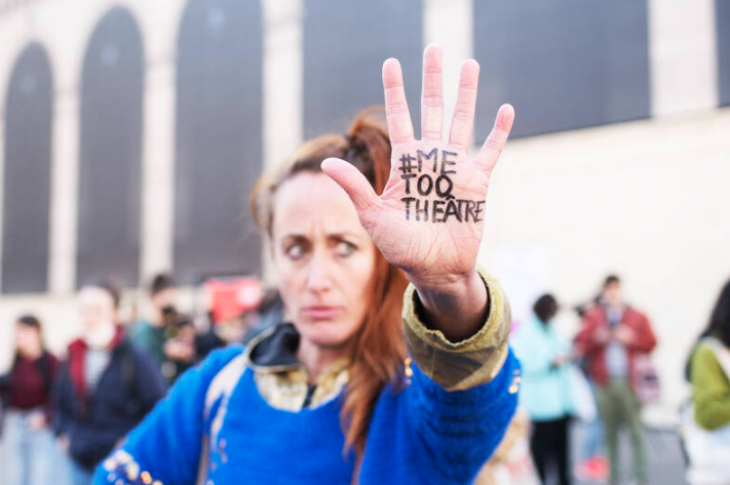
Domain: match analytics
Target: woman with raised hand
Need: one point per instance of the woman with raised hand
(371, 382)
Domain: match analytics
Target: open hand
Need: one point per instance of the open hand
(429, 220)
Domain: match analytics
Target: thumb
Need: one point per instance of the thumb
(355, 184)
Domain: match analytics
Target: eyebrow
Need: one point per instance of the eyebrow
(333, 235)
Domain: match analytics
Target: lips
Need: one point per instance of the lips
(321, 312)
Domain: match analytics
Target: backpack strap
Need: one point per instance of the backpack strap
(215, 408)
(129, 378)
(44, 366)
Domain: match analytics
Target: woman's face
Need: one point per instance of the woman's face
(324, 258)
(27, 339)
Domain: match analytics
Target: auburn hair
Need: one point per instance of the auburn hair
(377, 350)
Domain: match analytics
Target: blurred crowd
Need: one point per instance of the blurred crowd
(602, 378)
(62, 417)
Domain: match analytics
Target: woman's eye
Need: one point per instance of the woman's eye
(345, 249)
(295, 251)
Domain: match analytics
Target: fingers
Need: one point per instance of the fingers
(432, 101)
(400, 127)
(463, 120)
(492, 148)
(355, 184)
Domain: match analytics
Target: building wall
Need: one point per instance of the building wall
(531, 55)
(642, 198)
(647, 200)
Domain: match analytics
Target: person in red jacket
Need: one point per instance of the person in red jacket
(612, 336)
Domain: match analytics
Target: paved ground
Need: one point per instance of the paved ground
(665, 458)
(666, 461)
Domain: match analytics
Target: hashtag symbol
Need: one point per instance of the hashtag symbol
(406, 163)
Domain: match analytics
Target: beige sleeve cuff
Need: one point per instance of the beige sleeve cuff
(461, 365)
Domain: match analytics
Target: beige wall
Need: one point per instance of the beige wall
(648, 200)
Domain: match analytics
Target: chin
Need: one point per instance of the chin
(326, 333)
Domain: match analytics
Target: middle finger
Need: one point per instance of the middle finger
(432, 101)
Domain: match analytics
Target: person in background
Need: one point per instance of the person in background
(151, 334)
(706, 430)
(26, 393)
(612, 336)
(233, 313)
(547, 394)
(710, 383)
(105, 387)
(180, 348)
(593, 465)
(208, 340)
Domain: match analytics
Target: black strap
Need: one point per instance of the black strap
(310, 394)
(129, 371)
(44, 364)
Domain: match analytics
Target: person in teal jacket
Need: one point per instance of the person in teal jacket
(547, 394)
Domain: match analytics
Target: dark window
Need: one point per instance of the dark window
(112, 91)
(26, 199)
(218, 138)
(345, 44)
(722, 20)
(563, 64)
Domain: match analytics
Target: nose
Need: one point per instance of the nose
(319, 276)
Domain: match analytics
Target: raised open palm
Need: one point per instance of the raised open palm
(429, 220)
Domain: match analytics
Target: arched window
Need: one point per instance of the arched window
(345, 44)
(112, 89)
(563, 64)
(26, 188)
(218, 137)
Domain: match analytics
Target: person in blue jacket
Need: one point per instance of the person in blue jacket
(370, 382)
(547, 394)
(104, 387)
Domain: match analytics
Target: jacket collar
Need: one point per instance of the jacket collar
(77, 361)
(275, 349)
(282, 380)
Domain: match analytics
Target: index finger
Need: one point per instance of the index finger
(397, 113)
